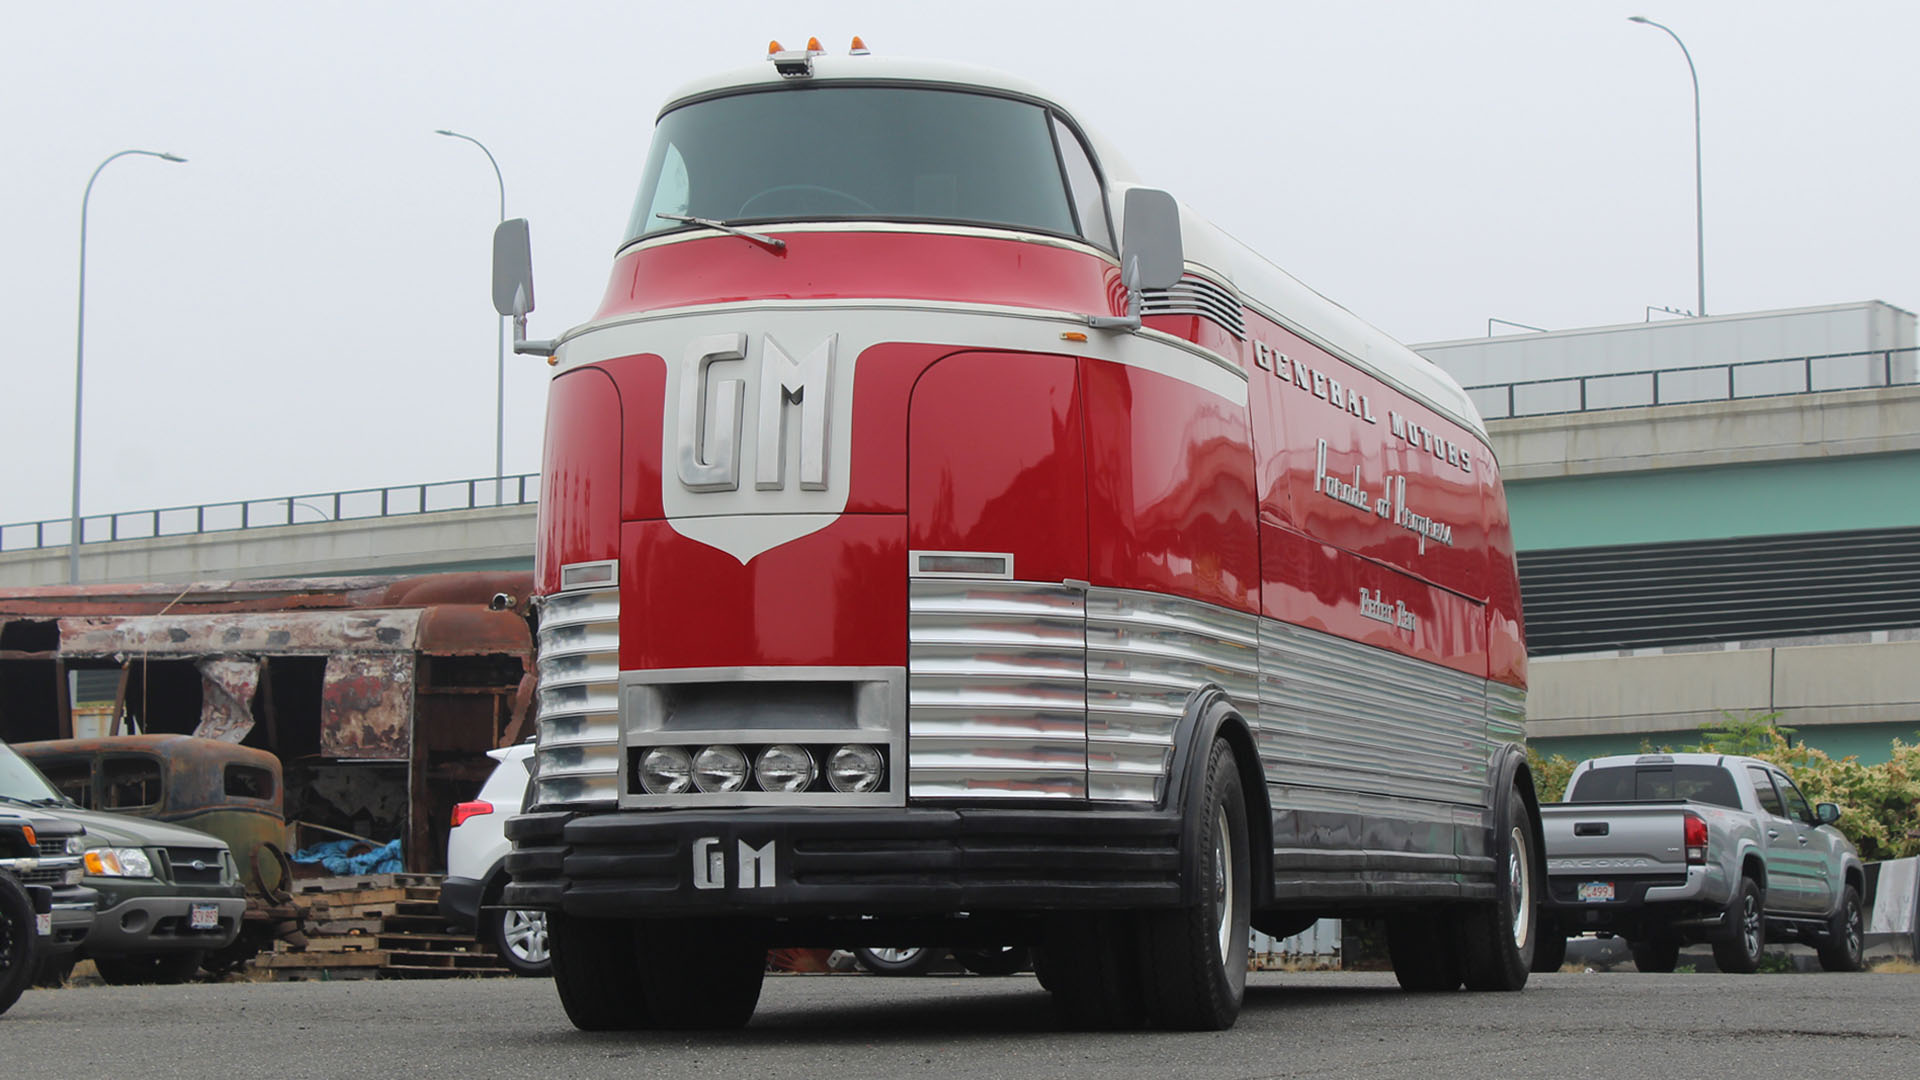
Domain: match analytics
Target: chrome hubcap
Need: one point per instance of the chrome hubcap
(897, 956)
(1520, 886)
(1223, 886)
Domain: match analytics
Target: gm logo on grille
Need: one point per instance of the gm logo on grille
(754, 866)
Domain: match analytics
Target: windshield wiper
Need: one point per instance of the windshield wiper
(772, 243)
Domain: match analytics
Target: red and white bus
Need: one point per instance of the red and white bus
(945, 539)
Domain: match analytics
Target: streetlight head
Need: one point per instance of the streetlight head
(444, 131)
(1638, 19)
(171, 157)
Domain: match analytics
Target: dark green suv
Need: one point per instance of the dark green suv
(168, 895)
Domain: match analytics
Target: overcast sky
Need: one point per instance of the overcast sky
(303, 306)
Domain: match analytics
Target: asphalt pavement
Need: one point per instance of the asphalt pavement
(844, 1027)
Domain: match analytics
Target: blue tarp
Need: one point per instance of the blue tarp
(333, 855)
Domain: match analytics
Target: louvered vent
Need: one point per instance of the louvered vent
(1196, 295)
(1700, 592)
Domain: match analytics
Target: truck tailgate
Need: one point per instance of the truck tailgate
(1615, 838)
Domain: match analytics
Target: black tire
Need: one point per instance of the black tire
(1424, 946)
(700, 974)
(1197, 976)
(19, 941)
(1657, 955)
(1090, 963)
(1739, 954)
(519, 937)
(1549, 950)
(1844, 946)
(150, 969)
(1497, 939)
(52, 972)
(1005, 960)
(596, 970)
(912, 960)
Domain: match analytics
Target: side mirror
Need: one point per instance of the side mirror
(1152, 255)
(513, 283)
(1151, 240)
(513, 268)
(1826, 813)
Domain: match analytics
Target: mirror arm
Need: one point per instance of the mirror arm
(1129, 322)
(521, 346)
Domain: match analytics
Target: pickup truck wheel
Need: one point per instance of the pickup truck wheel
(1656, 955)
(143, 969)
(1197, 955)
(19, 941)
(1425, 949)
(596, 970)
(1746, 916)
(1842, 949)
(1550, 950)
(700, 974)
(1497, 939)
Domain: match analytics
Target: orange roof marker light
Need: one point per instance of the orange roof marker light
(794, 63)
(858, 48)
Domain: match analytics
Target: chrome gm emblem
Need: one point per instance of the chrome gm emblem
(757, 437)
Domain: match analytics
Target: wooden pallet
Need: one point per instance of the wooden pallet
(384, 925)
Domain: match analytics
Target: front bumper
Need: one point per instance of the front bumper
(147, 924)
(808, 862)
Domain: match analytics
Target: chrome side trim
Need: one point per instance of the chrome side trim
(1339, 715)
(996, 690)
(1506, 713)
(1147, 654)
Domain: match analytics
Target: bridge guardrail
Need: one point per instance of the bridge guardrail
(354, 505)
(1734, 381)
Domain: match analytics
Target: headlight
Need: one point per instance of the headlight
(118, 862)
(856, 769)
(720, 768)
(666, 770)
(784, 768)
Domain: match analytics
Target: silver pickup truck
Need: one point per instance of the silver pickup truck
(1672, 849)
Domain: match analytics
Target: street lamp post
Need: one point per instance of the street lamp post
(500, 343)
(1699, 202)
(79, 360)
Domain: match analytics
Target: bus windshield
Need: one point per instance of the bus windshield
(863, 153)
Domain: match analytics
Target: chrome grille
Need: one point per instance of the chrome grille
(1147, 654)
(577, 711)
(194, 866)
(1195, 295)
(996, 686)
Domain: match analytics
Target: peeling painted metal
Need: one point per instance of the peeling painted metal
(227, 686)
(366, 706)
(281, 633)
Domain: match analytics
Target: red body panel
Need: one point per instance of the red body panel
(864, 265)
(1015, 485)
(579, 516)
(1170, 488)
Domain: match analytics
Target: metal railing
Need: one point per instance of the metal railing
(356, 505)
(1705, 382)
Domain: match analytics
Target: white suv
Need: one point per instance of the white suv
(476, 867)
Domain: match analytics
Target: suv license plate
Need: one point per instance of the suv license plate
(1596, 892)
(207, 917)
(43, 924)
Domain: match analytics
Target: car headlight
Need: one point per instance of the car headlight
(118, 862)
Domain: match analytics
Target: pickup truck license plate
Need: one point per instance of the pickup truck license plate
(1596, 892)
(43, 924)
(207, 916)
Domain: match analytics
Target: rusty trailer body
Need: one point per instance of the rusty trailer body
(378, 696)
